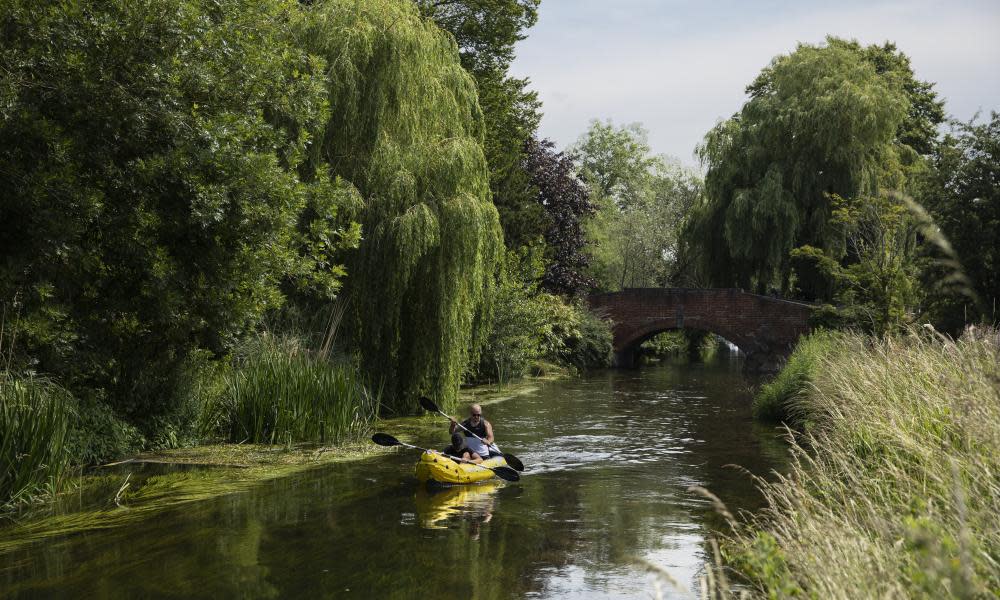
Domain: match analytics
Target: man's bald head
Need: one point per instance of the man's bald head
(475, 410)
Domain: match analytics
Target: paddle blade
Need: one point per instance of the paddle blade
(428, 404)
(507, 474)
(384, 439)
(514, 461)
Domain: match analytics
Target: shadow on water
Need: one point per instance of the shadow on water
(609, 459)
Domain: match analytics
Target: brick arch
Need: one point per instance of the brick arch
(764, 328)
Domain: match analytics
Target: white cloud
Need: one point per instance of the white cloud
(677, 76)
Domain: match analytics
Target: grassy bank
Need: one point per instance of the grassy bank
(895, 491)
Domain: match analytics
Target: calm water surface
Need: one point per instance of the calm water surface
(609, 457)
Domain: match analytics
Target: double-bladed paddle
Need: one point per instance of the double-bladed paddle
(505, 473)
(428, 404)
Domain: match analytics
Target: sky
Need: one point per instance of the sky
(678, 67)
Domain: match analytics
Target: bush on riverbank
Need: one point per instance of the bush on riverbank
(776, 400)
(898, 495)
(34, 419)
(528, 326)
(280, 393)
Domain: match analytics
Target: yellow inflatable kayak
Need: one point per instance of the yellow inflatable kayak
(437, 467)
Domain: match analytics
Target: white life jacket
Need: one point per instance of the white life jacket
(477, 446)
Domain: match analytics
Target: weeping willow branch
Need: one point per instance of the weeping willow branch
(406, 129)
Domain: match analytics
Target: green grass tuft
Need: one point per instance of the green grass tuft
(34, 418)
(776, 400)
(281, 394)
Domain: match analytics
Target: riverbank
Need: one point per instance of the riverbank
(894, 491)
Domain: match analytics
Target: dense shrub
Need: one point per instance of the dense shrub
(665, 344)
(518, 324)
(528, 325)
(98, 435)
(588, 343)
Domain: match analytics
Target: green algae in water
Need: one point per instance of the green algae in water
(105, 502)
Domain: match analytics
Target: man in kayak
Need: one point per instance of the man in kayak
(478, 425)
(458, 449)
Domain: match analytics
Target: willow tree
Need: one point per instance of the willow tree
(820, 122)
(406, 130)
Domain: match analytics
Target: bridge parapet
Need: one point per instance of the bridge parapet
(764, 328)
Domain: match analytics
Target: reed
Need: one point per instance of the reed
(34, 418)
(898, 493)
(280, 394)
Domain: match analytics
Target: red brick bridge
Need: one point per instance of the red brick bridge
(765, 329)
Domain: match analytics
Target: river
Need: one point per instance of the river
(610, 457)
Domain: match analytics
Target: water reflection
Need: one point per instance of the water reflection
(609, 459)
(473, 504)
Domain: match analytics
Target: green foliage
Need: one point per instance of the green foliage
(823, 120)
(279, 394)
(961, 194)
(486, 32)
(882, 275)
(34, 418)
(529, 325)
(519, 322)
(877, 282)
(893, 492)
(775, 401)
(98, 435)
(641, 204)
(665, 344)
(405, 128)
(761, 560)
(918, 131)
(574, 336)
(615, 161)
(589, 346)
(510, 118)
(149, 156)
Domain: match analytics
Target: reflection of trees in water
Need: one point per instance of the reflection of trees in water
(204, 550)
(487, 550)
(665, 428)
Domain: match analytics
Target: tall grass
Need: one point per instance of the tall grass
(34, 420)
(777, 400)
(898, 495)
(282, 394)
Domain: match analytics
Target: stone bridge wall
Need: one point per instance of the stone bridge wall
(764, 328)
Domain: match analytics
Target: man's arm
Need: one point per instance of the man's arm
(473, 457)
(453, 426)
(489, 433)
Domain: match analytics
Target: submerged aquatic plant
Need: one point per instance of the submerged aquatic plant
(281, 394)
(34, 419)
